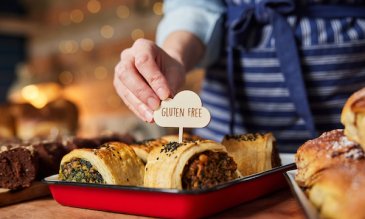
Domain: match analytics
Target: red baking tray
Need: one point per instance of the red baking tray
(169, 203)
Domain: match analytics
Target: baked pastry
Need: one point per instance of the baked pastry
(143, 148)
(189, 165)
(329, 149)
(18, 166)
(338, 192)
(186, 137)
(353, 117)
(71, 143)
(253, 153)
(114, 163)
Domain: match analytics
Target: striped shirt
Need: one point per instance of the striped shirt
(332, 55)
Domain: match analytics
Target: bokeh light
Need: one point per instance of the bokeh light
(158, 8)
(77, 16)
(68, 46)
(87, 44)
(123, 12)
(107, 31)
(93, 6)
(136, 34)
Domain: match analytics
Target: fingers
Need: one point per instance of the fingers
(145, 63)
(135, 83)
(139, 81)
(133, 103)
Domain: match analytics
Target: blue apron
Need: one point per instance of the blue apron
(286, 68)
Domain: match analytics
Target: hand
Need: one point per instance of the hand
(145, 75)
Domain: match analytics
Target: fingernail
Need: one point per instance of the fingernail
(153, 103)
(162, 93)
(149, 116)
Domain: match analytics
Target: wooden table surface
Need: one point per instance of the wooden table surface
(277, 205)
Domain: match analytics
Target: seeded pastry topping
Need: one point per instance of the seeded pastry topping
(208, 169)
(79, 170)
(171, 147)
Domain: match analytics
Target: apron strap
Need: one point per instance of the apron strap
(243, 17)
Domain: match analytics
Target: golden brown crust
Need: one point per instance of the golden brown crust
(143, 148)
(165, 165)
(186, 137)
(353, 117)
(253, 153)
(330, 149)
(115, 161)
(338, 192)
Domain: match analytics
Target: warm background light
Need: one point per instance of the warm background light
(100, 72)
(158, 8)
(137, 33)
(65, 77)
(107, 31)
(40, 94)
(64, 18)
(123, 12)
(77, 16)
(87, 44)
(93, 6)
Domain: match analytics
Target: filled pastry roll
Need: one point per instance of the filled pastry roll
(143, 148)
(186, 137)
(189, 165)
(253, 153)
(113, 163)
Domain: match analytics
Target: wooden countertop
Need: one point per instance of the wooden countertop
(277, 205)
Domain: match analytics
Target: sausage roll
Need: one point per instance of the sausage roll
(253, 153)
(353, 117)
(112, 163)
(186, 137)
(189, 165)
(143, 148)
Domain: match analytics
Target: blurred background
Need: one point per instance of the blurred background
(57, 63)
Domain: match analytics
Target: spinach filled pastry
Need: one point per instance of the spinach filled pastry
(113, 163)
(189, 165)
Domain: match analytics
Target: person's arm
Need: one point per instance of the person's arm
(147, 74)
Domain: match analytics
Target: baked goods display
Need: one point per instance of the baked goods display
(23, 162)
(189, 165)
(330, 149)
(331, 168)
(253, 153)
(112, 163)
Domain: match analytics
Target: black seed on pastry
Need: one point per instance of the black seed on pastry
(157, 158)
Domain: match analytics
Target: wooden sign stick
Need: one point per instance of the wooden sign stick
(181, 134)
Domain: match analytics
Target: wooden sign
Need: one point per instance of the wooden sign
(184, 110)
